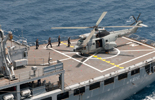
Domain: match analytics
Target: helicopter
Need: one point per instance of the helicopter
(99, 38)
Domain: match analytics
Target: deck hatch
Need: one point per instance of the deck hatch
(109, 81)
(122, 76)
(79, 91)
(94, 86)
(133, 72)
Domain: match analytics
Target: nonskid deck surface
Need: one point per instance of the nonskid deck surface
(81, 68)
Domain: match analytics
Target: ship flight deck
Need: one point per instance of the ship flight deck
(80, 68)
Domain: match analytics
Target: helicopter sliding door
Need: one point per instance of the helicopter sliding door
(98, 43)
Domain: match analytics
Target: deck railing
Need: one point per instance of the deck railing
(20, 40)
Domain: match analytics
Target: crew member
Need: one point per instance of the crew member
(49, 42)
(1, 34)
(69, 42)
(37, 44)
(59, 40)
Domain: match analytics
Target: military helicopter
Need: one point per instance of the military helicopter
(99, 38)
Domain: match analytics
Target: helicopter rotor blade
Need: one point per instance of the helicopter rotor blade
(97, 23)
(70, 27)
(90, 27)
(118, 26)
(132, 23)
(134, 18)
(100, 19)
(138, 16)
(93, 31)
(88, 38)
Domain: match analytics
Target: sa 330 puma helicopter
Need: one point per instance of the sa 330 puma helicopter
(99, 38)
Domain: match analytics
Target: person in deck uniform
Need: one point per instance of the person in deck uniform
(49, 42)
(1, 34)
(59, 40)
(69, 42)
(37, 44)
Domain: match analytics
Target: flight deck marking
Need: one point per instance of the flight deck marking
(104, 57)
(137, 50)
(91, 56)
(113, 63)
(67, 44)
(75, 59)
(137, 58)
(56, 61)
(138, 42)
(128, 61)
(88, 58)
(107, 61)
(70, 52)
(101, 58)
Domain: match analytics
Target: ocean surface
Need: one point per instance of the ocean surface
(33, 19)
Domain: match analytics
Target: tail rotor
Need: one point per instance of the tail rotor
(136, 20)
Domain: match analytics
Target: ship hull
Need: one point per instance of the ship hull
(119, 90)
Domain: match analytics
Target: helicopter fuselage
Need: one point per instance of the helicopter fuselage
(102, 40)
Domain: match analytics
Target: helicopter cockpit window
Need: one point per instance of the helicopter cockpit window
(80, 41)
(102, 33)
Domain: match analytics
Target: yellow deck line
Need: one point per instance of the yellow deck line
(67, 44)
(107, 61)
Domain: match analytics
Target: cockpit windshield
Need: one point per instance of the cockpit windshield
(80, 41)
(102, 33)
